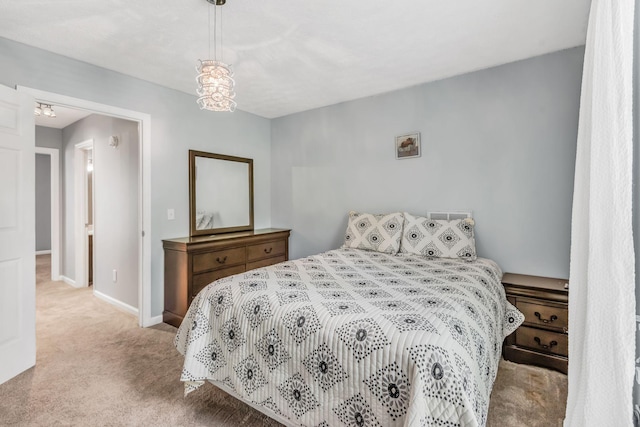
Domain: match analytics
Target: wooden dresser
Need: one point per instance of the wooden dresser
(191, 263)
(543, 338)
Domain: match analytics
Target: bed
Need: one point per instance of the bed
(354, 337)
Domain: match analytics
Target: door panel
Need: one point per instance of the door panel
(17, 233)
(10, 176)
(10, 297)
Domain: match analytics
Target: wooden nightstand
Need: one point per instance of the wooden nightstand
(543, 338)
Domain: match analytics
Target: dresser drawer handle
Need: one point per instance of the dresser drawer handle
(551, 344)
(549, 320)
(268, 251)
(221, 261)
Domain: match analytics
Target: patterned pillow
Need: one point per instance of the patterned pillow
(381, 233)
(439, 238)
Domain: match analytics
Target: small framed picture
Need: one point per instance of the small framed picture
(408, 146)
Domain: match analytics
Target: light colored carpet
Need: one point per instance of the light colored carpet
(96, 367)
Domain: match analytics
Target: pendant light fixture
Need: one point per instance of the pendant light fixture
(216, 90)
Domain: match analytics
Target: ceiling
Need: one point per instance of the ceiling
(294, 55)
(64, 117)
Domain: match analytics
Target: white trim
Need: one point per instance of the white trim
(80, 212)
(45, 252)
(68, 281)
(144, 230)
(156, 320)
(115, 302)
(144, 183)
(54, 154)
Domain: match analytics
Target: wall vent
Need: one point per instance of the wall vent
(449, 215)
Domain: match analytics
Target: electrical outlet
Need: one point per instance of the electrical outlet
(171, 214)
(115, 276)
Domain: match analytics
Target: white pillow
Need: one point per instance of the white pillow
(439, 238)
(381, 233)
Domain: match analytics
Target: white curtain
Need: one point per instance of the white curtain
(602, 281)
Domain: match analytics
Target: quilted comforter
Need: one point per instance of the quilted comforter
(352, 337)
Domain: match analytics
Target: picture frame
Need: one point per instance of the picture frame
(408, 146)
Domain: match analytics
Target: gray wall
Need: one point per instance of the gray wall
(43, 202)
(177, 125)
(115, 239)
(500, 142)
(48, 137)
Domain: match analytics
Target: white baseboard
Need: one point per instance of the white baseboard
(153, 321)
(115, 302)
(68, 281)
(45, 252)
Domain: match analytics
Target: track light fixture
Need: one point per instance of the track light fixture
(44, 110)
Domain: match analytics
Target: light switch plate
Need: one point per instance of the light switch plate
(171, 214)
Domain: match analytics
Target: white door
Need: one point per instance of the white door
(17, 234)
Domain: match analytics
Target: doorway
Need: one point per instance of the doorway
(53, 156)
(144, 182)
(83, 209)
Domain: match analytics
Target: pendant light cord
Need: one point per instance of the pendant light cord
(209, 27)
(215, 33)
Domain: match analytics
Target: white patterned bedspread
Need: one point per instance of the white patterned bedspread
(356, 338)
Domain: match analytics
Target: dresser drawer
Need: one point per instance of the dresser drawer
(191, 263)
(266, 262)
(541, 314)
(541, 340)
(266, 250)
(200, 281)
(218, 259)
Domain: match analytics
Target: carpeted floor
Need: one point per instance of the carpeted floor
(96, 367)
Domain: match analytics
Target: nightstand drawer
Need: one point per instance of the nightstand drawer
(266, 250)
(218, 259)
(545, 315)
(541, 340)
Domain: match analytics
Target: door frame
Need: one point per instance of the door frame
(80, 212)
(54, 155)
(144, 186)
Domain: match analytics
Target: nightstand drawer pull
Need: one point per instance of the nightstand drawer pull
(221, 261)
(268, 251)
(549, 320)
(545, 346)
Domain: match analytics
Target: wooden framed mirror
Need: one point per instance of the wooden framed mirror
(220, 193)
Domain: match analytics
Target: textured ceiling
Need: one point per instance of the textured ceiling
(294, 55)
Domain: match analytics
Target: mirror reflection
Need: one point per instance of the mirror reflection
(221, 193)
